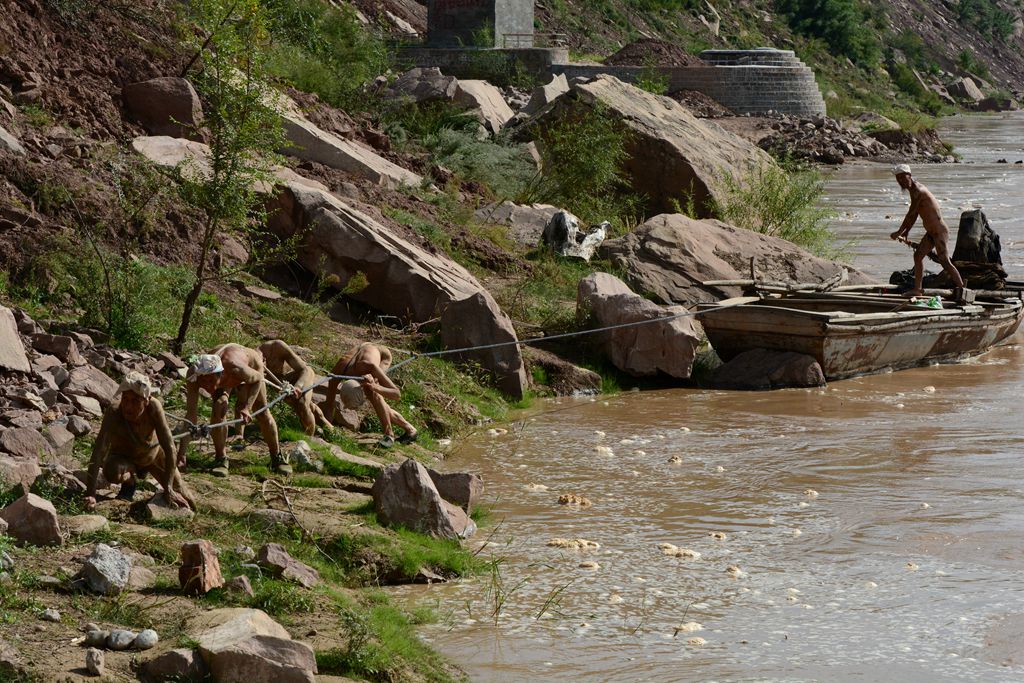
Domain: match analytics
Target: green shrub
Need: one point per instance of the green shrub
(843, 24)
(582, 161)
(987, 17)
(322, 48)
(968, 61)
(781, 203)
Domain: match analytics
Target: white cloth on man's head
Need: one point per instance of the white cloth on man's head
(352, 395)
(205, 364)
(137, 383)
(900, 169)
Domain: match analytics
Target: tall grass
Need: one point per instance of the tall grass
(782, 203)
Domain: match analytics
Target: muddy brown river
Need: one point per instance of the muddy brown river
(869, 531)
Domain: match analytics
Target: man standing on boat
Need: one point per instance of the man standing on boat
(924, 204)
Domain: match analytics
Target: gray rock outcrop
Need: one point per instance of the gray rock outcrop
(672, 155)
(405, 495)
(485, 102)
(670, 255)
(106, 570)
(525, 224)
(12, 352)
(667, 347)
(764, 369)
(164, 106)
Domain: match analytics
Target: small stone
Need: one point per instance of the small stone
(90, 627)
(97, 638)
(240, 584)
(121, 639)
(51, 615)
(94, 661)
(78, 426)
(199, 572)
(145, 640)
(245, 553)
(589, 565)
(6, 562)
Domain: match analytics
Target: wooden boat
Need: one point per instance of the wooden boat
(860, 331)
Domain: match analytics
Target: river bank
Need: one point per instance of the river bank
(873, 523)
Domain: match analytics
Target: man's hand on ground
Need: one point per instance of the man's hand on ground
(90, 502)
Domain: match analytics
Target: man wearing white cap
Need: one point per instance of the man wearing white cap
(226, 369)
(924, 204)
(135, 439)
(370, 362)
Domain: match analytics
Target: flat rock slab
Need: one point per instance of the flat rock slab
(80, 525)
(23, 442)
(247, 646)
(12, 352)
(277, 560)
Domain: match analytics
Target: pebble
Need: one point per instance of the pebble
(604, 450)
(589, 564)
(735, 572)
(684, 429)
(245, 553)
(500, 432)
(6, 562)
(574, 544)
(615, 599)
(810, 493)
(870, 584)
(668, 548)
(120, 639)
(911, 567)
(444, 443)
(718, 535)
(573, 499)
(675, 460)
(796, 532)
(689, 627)
(687, 554)
(146, 639)
(599, 434)
(536, 487)
(793, 591)
(929, 389)
(925, 506)
(899, 405)
(640, 453)
(719, 469)
(50, 615)
(94, 661)
(696, 642)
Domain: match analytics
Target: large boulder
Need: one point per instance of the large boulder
(337, 241)
(404, 495)
(965, 89)
(670, 255)
(21, 472)
(405, 280)
(649, 349)
(421, 86)
(87, 380)
(462, 488)
(25, 444)
(485, 102)
(311, 143)
(672, 155)
(60, 346)
(525, 223)
(543, 95)
(32, 520)
(247, 646)
(764, 369)
(476, 321)
(12, 352)
(164, 106)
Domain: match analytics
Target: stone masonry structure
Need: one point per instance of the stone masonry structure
(745, 81)
(465, 23)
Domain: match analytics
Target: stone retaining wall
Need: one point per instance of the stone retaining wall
(745, 81)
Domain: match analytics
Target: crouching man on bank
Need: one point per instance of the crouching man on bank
(135, 440)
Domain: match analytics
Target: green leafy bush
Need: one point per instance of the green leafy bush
(782, 203)
(843, 24)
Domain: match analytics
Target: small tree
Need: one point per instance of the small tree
(243, 132)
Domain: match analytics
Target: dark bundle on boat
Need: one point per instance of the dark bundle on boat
(976, 256)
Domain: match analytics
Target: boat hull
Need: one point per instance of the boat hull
(847, 344)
